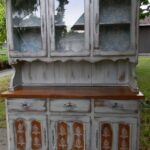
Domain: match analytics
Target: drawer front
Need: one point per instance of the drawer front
(26, 105)
(116, 106)
(70, 105)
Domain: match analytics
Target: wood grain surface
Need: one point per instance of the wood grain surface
(117, 93)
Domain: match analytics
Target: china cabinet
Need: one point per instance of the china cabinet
(74, 85)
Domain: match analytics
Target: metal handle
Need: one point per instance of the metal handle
(97, 22)
(45, 136)
(26, 105)
(97, 139)
(117, 106)
(69, 106)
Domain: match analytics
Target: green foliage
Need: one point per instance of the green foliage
(144, 9)
(2, 23)
(24, 5)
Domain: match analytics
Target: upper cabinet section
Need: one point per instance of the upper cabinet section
(27, 28)
(69, 34)
(115, 29)
(55, 29)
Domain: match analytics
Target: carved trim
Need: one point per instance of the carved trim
(36, 135)
(124, 136)
(62, 132)
(106, 136)
(20, 134)
(78, 133)
(76, 59)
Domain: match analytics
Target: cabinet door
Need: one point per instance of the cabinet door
(27, 132)
(115, 27)
(68, 27)
(69, 133)
(26, 27)
(114, 133)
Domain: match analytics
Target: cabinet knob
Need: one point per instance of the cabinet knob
(117, 106)
(70, 106)
(26, 105)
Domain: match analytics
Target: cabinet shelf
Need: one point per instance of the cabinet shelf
(114, 23)
(74, 27)
(16, 27)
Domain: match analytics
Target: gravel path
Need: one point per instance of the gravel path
(3, 139)
(5, 73)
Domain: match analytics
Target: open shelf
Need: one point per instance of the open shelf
(115, 37)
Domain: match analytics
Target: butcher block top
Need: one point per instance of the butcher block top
(103, 92)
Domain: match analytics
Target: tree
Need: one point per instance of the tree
(2, 23)
(144, 8)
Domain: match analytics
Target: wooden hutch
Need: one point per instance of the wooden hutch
(74, 85)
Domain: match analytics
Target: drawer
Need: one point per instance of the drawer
(74, 105)
(26, 105)
(116, 106)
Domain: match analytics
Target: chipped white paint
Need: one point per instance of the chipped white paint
(108, 59)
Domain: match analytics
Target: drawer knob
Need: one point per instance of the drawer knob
(69, 106)
(117, 106)
(26, 105)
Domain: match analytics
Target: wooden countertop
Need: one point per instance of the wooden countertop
(103, 92)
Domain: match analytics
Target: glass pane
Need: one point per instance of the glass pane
(115, 11)
(115, 19)
(115, 38)
(69, 25)
(26, 25)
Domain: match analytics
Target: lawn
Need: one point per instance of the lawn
(4, 82)
(3, 55)
(143, 76)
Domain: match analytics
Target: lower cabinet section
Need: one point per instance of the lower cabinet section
(95, 128)
(114, 133)
(69, 133)
(27, 132)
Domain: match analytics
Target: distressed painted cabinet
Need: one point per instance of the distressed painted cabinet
(28, 130)
(70, 132)
(46, 28)
(74, 85)
(116, 133)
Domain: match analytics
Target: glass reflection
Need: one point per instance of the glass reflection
(69, 25)
(26, 25)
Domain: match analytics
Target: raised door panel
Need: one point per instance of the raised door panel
(69, 133)
(26, 23)
(115, 27)
(69, 28)
(27, 132)
(116, 133)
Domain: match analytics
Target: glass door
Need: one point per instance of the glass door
(69, 27)
(28, 28)
(115, 27)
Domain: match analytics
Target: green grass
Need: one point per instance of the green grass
(143, 76)
(3, 55)
(4, 82)
(3, 58)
